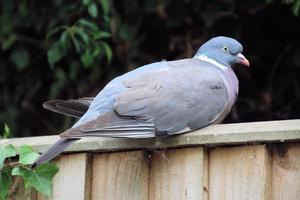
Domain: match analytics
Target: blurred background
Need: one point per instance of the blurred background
(69, 49)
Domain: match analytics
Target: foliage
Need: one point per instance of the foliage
(68, 49)
(85, 37)
(39, 178)
(73, 35)
(6, 131)
(295, 6)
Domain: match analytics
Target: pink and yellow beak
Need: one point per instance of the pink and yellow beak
(243, 60)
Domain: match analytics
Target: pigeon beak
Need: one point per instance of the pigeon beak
(243, 60)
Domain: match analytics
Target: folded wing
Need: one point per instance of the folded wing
(190, 94)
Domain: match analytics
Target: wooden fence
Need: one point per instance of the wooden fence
(245, 161)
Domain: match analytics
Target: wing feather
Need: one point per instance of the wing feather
(73, 107)
(111, 125)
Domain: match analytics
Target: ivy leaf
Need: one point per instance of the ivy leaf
(18, 171)
(93, 10)
(6, 152)
(5, 183)
(27, 155)
(55, 53)
(10, 151)
(41, 178)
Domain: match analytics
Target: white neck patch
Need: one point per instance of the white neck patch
(212, 61)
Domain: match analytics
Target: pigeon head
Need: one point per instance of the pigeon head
(224, 50)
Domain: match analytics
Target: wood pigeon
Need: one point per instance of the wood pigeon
(159, 99)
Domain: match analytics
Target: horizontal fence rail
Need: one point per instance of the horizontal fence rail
(221, 134)
(244, 161)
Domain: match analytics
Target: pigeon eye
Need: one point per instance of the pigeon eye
(225, 48)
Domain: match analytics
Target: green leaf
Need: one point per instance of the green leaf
(65, 39)
(105, 6)
(296, 8)
(8, 42)
(10, 151)
(88, 24)
(18, 171)
(6, 131)
(93, 10)
(101, 35)
(6, 152)
(53, 32)
(5, 183)
(85, 38)
(106, 19)
(87, 58)
(27, 155)
(96, 51)
(86, 2)
(107, 50)
(41, 178)
(55, 53)
(76, 44)
(20, 57)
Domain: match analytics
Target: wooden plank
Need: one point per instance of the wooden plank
(286, 171)
(256, 132)
(176, 174)
(73, 179)
(122, 175)
(205, 175)
(239, 173)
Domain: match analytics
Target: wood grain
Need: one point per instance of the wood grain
(72, 180)
(205, 175)
(176, 174)
(120, 176)
(240, 173)
(286, 171)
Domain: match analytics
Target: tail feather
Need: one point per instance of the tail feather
(53, 151)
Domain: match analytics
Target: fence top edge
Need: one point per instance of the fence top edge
(221, 134)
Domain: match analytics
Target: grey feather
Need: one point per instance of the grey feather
(73, 107)
(111, 125)
(53, 151)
